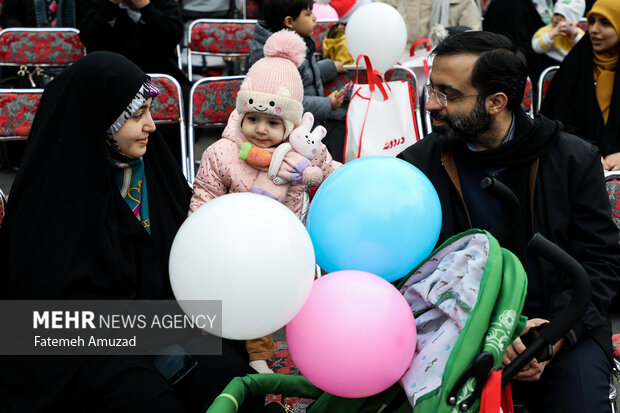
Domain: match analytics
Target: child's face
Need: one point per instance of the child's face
(133, 136)
(263, 130)
(304, 23)
(557, 19)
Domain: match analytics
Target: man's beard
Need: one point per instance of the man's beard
(464, 129)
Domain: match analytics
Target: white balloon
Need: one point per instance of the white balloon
(378, 31)
(250, 252)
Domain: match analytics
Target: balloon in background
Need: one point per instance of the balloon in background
(378, 31)
(355, 336)
(252, 253)
(377, 214)
(324, 12)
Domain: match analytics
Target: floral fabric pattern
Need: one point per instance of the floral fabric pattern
(165, 106)
(320, 33)
(214, 101)
(222, 38)
(17, 112)
(36, 47)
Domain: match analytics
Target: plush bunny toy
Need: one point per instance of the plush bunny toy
(290, 162)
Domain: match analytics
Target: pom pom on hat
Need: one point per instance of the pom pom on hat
(286, 44)
(273, 85)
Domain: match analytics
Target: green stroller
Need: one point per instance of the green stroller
(467, 298)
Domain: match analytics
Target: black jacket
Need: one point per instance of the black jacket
(150, 43)
(569, 207)
(571, 98)
(25, 13)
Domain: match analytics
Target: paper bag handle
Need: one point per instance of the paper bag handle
(374, 77)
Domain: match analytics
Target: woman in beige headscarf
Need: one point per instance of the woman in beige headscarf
(422, 15)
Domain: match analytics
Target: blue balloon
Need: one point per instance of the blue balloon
(376, 214)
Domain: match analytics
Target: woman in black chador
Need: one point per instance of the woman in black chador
(92, 214)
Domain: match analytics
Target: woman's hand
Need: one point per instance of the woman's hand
(340, 67)
(612, 162)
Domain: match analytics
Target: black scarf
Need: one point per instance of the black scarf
(68, 234)
(571, 98)
(531, 141)
(310, 47)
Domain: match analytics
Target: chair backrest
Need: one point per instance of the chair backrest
(528, 98)
(543, 84)
(320, 33)
(17, 110)
(342, 79)
(408, 75)
(583, 24)
(249, 9)
(212, 100)
(40, 46)
(167, 107)
(218, 37)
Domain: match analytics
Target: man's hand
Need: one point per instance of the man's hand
(336, 102)
(534, 369)
(340, 67)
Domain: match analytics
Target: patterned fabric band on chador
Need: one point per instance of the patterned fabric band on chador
(146, 92)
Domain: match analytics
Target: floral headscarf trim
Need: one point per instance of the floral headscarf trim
(146, 92)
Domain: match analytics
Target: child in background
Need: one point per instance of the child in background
(558, 37)
(269, 106)
(296, 15)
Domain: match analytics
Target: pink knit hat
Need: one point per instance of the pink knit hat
(345, 8)
(273, 84)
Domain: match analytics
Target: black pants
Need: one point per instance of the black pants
(576, 380)
(131, 384)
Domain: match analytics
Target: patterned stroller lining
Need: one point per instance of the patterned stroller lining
(467, 298)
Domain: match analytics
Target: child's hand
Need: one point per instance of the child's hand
(340, 67)
(336, 101)
(260, 366)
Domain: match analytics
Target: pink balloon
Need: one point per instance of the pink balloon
(324, 12)
(355, 336)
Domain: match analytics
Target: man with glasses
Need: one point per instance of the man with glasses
(479, 130)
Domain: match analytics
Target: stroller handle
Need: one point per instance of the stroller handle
(568, 317)
(506, 226)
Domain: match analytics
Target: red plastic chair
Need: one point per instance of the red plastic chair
(528, 99)
(167, 108)
(320, 33)
(212, 100)
(56, 47)
(218, 37)
(17, 110)
(543, 84)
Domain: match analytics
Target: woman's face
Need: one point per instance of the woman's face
(602, 34)
(133, 136)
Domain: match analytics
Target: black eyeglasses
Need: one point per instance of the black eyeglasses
(441, 97)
